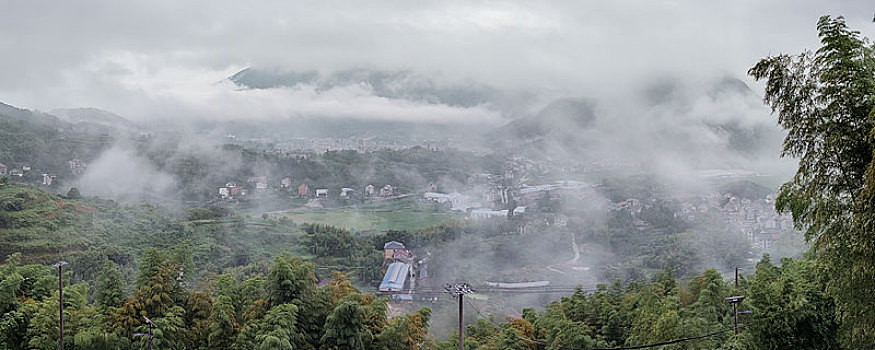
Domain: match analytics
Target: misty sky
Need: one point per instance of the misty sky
(169, 58)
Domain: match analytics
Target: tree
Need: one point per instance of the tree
(344, 328)
(406, 332)
(168, 332)
(710, 304)
(278, 330)
(43, 329)
(73, 193)
(825, 103)
(99, 338)
(290, 279)
(198, 318)
(790, 309)
(110, 288)
(223, 324)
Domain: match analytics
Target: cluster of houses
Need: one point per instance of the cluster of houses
(232, 190)
(5, 170)
(359, 144)
(77, 167)
(757, 219)
(347, 192)
(486, 190)
(47, 181)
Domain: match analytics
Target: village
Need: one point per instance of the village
(486, 197)
(25, 173)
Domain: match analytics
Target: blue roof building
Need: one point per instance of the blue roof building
(396, 275)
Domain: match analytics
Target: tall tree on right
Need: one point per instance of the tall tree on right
(825, 101)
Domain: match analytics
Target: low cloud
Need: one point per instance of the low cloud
(122, 175)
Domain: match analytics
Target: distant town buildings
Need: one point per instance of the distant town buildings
(260, 182)
(3, 169)
(321, 193)
(286, 182)
(231, 191)
(303, 190)
(369, 190)
(77, 167)
(391, 247)
(387, 191)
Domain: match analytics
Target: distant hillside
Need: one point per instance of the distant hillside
(402, 85)
(558, 117)
(93, 115)
(747, 189)
(697, 124)
(31, 117)
(46, 143)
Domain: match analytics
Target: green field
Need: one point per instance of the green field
(402, 214)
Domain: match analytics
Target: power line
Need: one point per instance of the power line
(566, 288)
(669, 342)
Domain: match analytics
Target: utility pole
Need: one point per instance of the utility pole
(461, 330)
(734, 300)
(459, 290)
(60, 266)
(736, 278)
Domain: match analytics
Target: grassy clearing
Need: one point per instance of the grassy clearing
(358, 219)
(404, 214)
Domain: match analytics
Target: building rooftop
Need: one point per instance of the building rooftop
(393, 245)
(396, 275)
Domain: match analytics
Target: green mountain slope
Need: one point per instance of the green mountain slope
(47, 228)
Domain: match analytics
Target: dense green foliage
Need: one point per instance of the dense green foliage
(788, 310)
(826, 102)
(87, 232)
(287, 310)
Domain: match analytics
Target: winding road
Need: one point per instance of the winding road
(569, 262)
